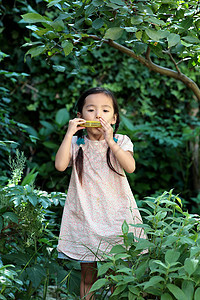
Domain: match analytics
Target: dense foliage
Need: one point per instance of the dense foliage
(169, 269)
(29, 229)
(165, 28)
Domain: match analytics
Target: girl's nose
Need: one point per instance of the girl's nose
(98, 115)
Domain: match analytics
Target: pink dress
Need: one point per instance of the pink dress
(95, 211)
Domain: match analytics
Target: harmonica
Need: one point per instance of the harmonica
(91, 124)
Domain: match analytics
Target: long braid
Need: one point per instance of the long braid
(79, 158)
(108, 151)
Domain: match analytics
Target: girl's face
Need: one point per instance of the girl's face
(98, 106)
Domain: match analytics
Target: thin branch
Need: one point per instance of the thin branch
(184, 59)
(148, 53)
(174, 62)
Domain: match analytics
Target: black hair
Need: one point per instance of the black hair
(80, 104)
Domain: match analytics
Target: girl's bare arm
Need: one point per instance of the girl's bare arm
(125, 158)
(63, 155)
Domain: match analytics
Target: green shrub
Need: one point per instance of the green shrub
(170, 267)
(29, 228)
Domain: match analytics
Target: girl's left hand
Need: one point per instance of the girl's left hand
(107, 130)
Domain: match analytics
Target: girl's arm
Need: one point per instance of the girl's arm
(125, 158)
(63, 155)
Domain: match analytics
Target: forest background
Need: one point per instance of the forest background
(38, 96)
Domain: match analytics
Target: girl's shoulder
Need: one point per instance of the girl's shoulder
(122, 138)
(124, 142)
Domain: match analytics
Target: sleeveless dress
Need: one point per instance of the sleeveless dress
(95, 211)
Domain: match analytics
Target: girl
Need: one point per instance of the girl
(99, 197)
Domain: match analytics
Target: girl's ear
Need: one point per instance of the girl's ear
(79, 115)
(114, 119)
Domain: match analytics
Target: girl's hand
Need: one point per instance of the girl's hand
(107, 131)
(75, 125)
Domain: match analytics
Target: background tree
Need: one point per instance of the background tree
(162, 27)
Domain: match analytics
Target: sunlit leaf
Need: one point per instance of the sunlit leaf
(114, 33)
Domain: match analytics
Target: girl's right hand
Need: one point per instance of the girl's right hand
(75, 125)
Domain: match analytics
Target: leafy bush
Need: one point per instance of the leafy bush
(9, 283)
(170, 267)
(29, 227)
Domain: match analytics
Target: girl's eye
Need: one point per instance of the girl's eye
(105, 110)
(90, 110)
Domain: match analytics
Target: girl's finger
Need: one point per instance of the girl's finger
(104, 123)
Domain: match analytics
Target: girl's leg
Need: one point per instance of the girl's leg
(88, 277)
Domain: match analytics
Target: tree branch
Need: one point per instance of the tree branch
(156, 68)
(151, 66)
(148, 53)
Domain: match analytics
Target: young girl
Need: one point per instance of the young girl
(99, 197)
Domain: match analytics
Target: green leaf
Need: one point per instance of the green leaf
(131, 296)
(191, 39)
(114, 33)
(118, 2)
(58, 25)
(171, 256)
(59, 68)
(125, 270)
(104, 268)
(98, 23)
(48, 125)
(136, 20)
(127, 122)
(33, 199)
(50, 145)
(133, 289)
(156, 21)
(119, 290)
(173, 39)
(97, 2)
(34, 18)
(190, 265)
(29, 178)
(143, 244)
(53, 2)
(156, 35)
(98, 284)
(122, 256)
(36, 51)
(118, 249)
(10, 216)
(153, 281)
(197, 294)
(166, 296)
(176, 291)
(131, 29)
(36, 274)
(89, 10)
(62, 116)
(125, 228)
(138, 35)
(188, 289)
(67, 47)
